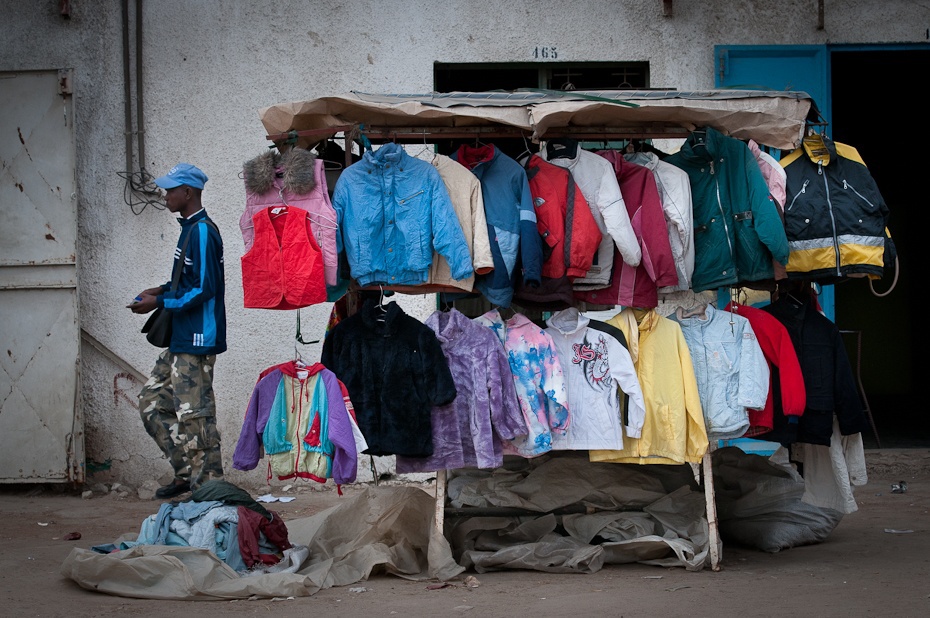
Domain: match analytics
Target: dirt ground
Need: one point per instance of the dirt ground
(875, 563)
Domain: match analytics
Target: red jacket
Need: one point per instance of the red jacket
(784, 366)
(564, 220)
(284, 267)
(638, 286)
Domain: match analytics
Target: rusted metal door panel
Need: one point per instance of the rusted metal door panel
(41, 428)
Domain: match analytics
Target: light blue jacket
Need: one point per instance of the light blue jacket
(731, 370)
(393, 210)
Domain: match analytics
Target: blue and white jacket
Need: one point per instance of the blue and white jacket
(508, 209)
(198, 305)
(393, 210)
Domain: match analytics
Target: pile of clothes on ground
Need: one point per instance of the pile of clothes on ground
(225, 520)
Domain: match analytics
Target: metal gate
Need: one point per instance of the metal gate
(41, 427)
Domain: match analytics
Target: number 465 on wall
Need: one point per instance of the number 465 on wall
(545, 53)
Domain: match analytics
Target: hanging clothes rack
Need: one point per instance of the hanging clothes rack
(772, 118)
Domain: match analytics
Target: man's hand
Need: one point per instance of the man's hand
(148, 302)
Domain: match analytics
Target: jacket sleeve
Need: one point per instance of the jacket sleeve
(339, 432)
(531, 253)
(623, 371)
(440, 386)
(448, 238)
(765, 217)
(657, 255)
(679, 215)
(482, 260)
(205, 249)
(617, 220)
(754, 374)
(849, 409)
(793, 393)
(697, 440)
(585, 235)
(555, 388)
(506, 415)
(248, 448)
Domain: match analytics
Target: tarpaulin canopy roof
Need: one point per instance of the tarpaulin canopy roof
(772, 118)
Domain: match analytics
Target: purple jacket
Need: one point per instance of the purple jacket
(467, 432)
(260, 411)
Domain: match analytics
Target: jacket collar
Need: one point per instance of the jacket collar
(448, 325)
(382, 320)
(820, 149)
(388, 156)
(646, 159)
(291, 368)
(702, 144)
(471, 156)
(568, 321)
(194, 218)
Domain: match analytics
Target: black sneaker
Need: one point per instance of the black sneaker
(172, 489)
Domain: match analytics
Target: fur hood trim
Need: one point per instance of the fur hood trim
(294, 168)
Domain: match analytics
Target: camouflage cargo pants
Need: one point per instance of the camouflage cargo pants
(179, 412)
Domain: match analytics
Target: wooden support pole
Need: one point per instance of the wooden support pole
(440, 499)
(713, 532)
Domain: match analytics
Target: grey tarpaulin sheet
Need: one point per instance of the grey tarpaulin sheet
(381, 530)
(771, 118)
(648, 514)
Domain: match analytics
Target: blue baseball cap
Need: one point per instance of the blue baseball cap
(182, 174)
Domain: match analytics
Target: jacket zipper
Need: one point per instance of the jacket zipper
(836, 242)
(799, 193)
(853, 189)
(410, 197)
(723, 217)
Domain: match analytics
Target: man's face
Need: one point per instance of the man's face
(176, 198)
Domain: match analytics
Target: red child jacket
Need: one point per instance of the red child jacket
(564, 220)
(284, 267)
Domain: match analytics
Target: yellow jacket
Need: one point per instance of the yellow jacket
(673, 432)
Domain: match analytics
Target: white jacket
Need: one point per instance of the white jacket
(595, 176)
(596, 365)
(675, 193)
(731, 370)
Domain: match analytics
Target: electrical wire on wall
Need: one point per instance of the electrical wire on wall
(138, 191)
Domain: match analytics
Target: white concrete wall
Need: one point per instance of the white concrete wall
(210, 65)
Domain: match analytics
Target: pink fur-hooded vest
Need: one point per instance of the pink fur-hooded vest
(294, 178)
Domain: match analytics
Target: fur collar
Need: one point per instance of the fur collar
(294, 168)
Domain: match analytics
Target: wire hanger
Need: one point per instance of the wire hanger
(380, 306)
(527, 152)
(282, 208)
(298, 338)
(424, 149)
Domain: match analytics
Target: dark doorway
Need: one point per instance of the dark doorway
(887, 126)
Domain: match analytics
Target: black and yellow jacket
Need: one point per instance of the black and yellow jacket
(835, 217)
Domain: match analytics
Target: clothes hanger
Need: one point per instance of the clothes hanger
(324, 221)
(524, 156)
(380, 306)
(299, 338)
(282, 208)
(424, 149)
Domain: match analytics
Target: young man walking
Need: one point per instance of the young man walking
(177, 404)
